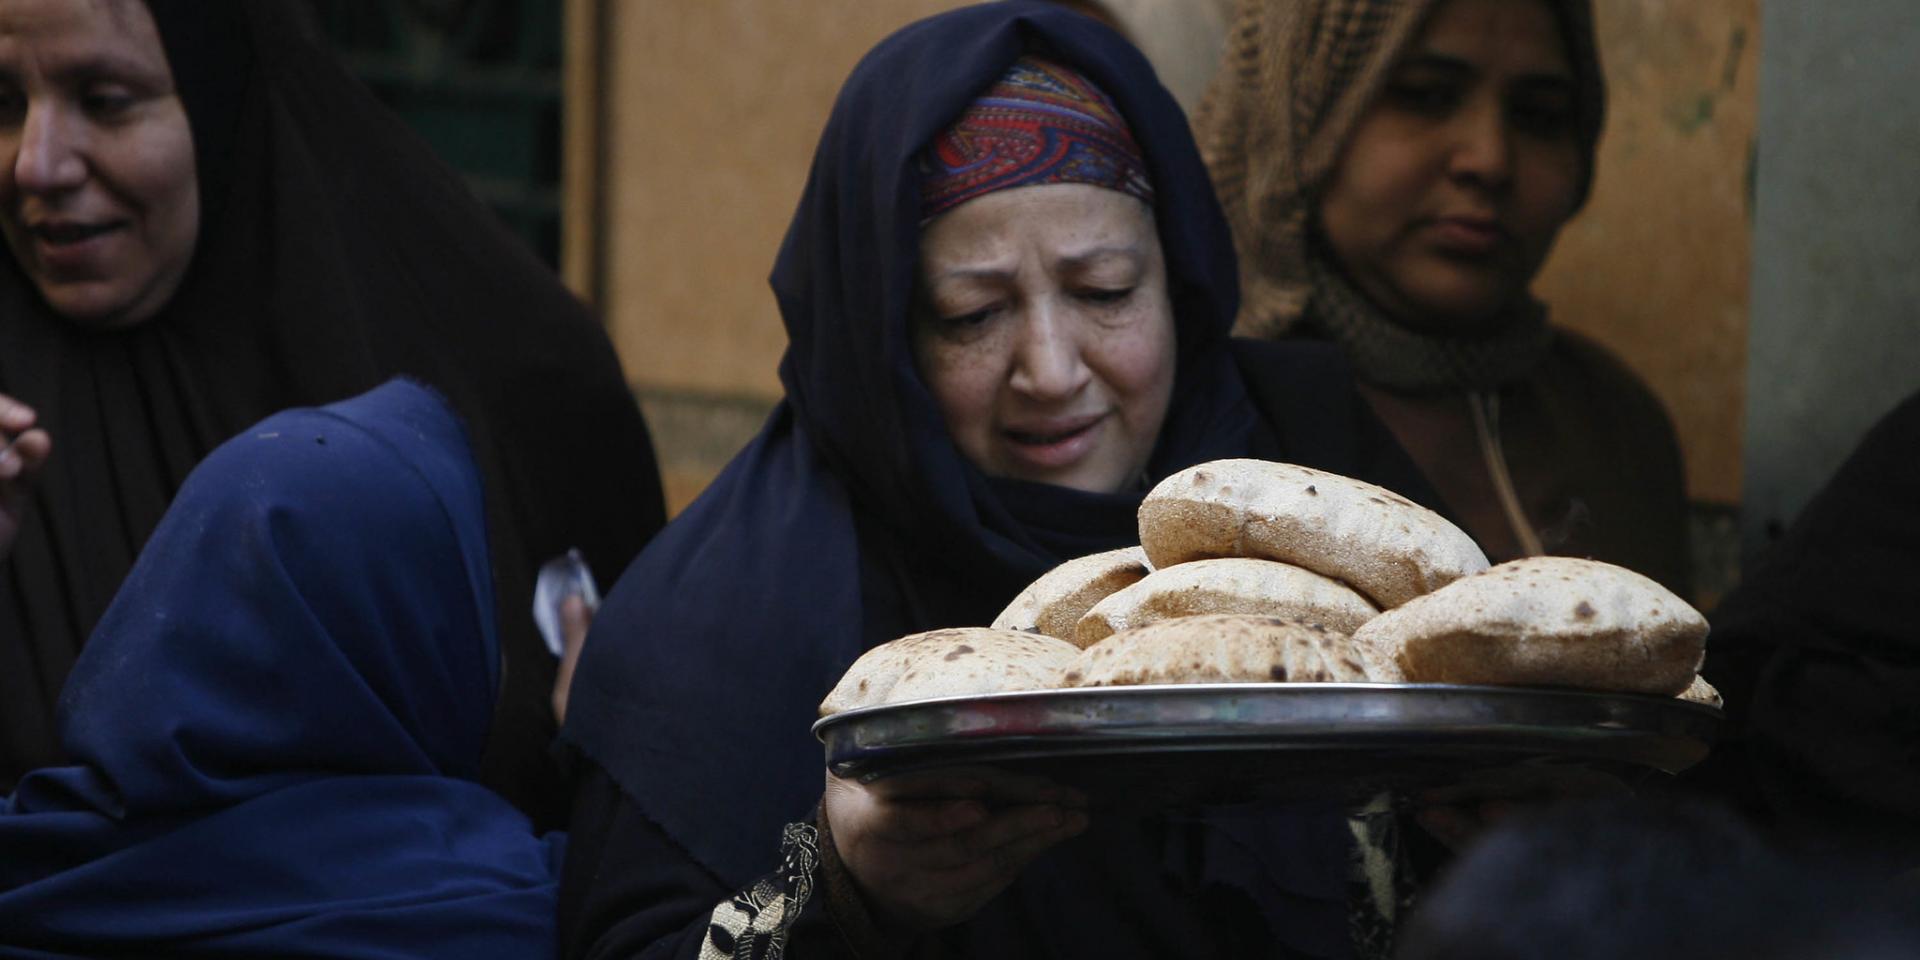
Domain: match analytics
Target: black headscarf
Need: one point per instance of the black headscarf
(335, 251)
(853, 519)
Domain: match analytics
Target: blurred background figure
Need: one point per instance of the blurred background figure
(1183, 39)
(278, 727)
(1624, 879)
(226, 225)
(1394, 187)
(1818, 656)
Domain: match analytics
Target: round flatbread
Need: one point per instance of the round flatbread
(1231, 585)
(1700, 691)
(1219, 648)
(1380, 543)
(963, 661)
(1542, 621)
(1054, 604)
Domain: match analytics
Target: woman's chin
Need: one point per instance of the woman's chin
(1459, 309)
(1087, 476)
(97, 305)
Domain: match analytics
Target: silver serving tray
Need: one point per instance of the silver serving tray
(1217, 743)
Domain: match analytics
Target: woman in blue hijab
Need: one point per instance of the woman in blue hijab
(279, 723)
(992, 357)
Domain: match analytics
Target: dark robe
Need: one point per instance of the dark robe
(334, 252)
(1818, 656)
(278, 725)
(852, 519)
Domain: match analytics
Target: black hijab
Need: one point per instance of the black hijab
(852, 519)
(334, 252)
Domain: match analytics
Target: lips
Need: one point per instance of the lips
(1052, 443)
(62, 233)
(1469, 234)
(72, 250)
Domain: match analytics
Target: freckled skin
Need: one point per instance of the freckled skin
(1043, 314)
(1493, 140)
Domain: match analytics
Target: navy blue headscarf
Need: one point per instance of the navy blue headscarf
(279, 722)
(852, 518)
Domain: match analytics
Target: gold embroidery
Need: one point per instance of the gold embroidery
(755, 923)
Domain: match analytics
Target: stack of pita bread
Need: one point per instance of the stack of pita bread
(1257, 572)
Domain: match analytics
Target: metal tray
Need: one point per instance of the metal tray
(1220, 743)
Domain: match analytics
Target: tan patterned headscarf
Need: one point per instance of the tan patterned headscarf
(1295, 79)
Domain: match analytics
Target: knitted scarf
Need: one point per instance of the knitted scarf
(1390, 355)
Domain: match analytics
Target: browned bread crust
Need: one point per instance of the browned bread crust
(1220, 648)
(1387, 547)
(1228, 585)
(961, 661)
(1542, 621)
(1054, 604)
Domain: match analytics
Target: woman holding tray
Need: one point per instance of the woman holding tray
(1008, 291)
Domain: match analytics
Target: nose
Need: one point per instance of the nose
(50, 158)
(1483, 148)
(1048, 364)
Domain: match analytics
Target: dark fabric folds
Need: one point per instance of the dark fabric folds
(1818, 656)
(280, 721)
(335, 252)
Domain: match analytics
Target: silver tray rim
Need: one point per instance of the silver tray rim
(1394, 713)
(1154, 691)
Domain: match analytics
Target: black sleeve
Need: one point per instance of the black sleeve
(628, 890)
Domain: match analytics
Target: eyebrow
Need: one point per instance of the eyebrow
(96, 66)
(1071, 263)
(1435, 60)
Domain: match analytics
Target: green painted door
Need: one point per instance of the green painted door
(481, 81)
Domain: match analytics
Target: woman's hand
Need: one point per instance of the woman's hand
(927, 851)
(23, 452)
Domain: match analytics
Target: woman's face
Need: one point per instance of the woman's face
(1447, 198)
(98, 197)
(1046, 335)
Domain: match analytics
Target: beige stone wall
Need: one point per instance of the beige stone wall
(1656, 266)
(712, 109)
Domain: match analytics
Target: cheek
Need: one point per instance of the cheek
(1383, 176)
(1548, 197)
(964, 380)
(1138, 367)
(181, 230)
(170, 189)
(152, 167)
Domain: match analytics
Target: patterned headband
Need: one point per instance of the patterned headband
(1042, 123)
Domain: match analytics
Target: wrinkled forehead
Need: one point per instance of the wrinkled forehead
(67, 36)
(1062, 224)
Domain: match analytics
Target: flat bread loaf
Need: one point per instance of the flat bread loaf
(1542, 621)
(1220, 648)
(963, 661)
(1232, 585)
(1380, 543)
(1054, 604)
(1700, 691)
